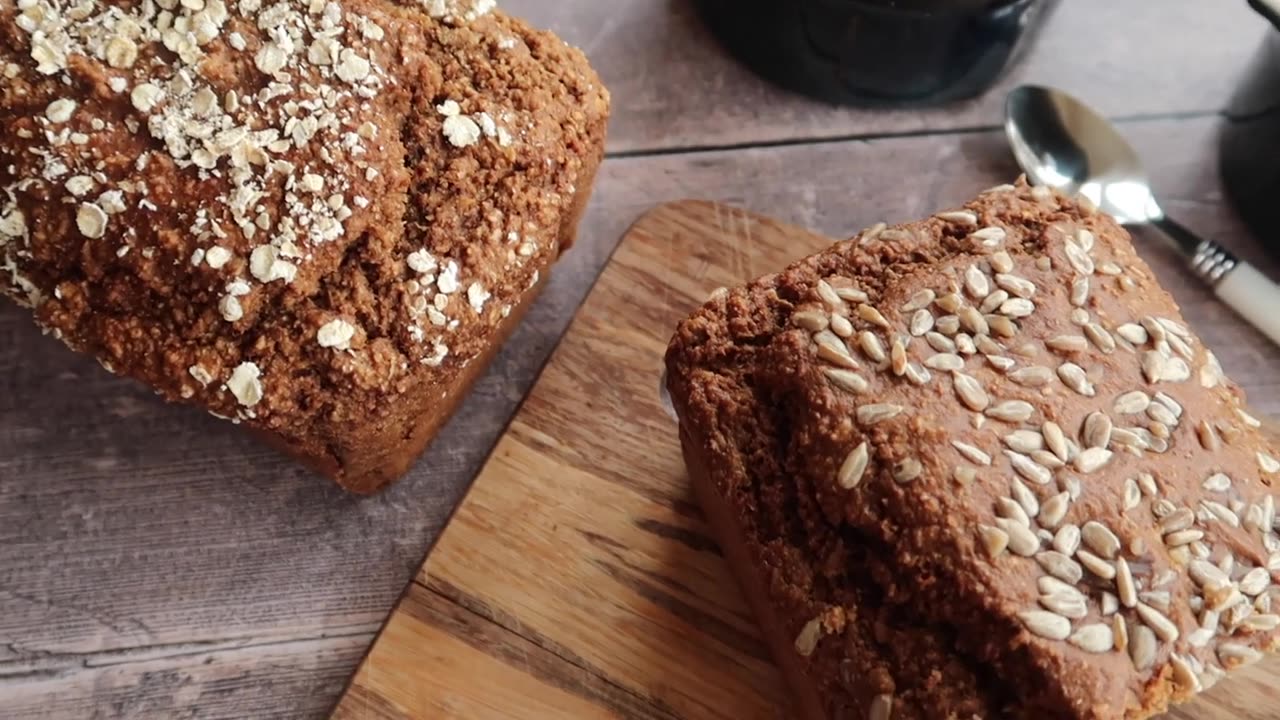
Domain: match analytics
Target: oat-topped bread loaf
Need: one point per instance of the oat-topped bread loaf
(977, 466)
(316, 218)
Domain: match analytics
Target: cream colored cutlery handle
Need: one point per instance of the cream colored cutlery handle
(1254, 296)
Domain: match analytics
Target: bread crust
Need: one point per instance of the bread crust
(318, 220)
(912, 543)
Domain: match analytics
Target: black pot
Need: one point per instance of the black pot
(876, 52)
(1249, 149)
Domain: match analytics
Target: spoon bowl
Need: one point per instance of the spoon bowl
(1062, 143)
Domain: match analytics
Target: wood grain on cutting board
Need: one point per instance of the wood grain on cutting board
(578, 578)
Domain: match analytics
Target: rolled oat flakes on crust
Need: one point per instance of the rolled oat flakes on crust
(317, 218)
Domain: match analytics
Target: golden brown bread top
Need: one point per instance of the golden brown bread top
(1004, 401)
(288, 210)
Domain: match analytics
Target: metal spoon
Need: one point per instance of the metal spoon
(1061, 142)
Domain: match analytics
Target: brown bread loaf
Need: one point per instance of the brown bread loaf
(978, 466)
(318, 219)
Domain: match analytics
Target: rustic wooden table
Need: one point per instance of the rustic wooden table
(157, 563)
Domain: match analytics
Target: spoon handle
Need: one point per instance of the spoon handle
(1254, 297)
(1238, 284)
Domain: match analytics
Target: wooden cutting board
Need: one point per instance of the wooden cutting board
(578, 579)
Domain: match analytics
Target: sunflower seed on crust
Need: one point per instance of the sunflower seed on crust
(1200, 637)
(1131, 403)
(1255, 582)
(1017, 307)
(944, 362)
(1080, 291)
(970, 392)
(994, 540)
(869, 314)
(1028, 468)
(1097, 430)
(811, 320)
(841, 326)
(1120, 633)
(993, 301)
(829, 296)
(1068, 344)
(846, 380)
(846, 291)
(1208, 436)
(853, 467)
(1233, 655)
(1142, 647)
(1163, 627)
(1100, 337)
(1096, 638)
(1179, 519)
(971, 453)
(1132, 494)
(1047, 625)
(871, 346)
(1091, 459)
(1067, 540)
(1054, 439)
(1009, 509)
(1182, 537)
(950, 302)
(1126, 590)
(1099, 538)
(878, 412)
(1074, 377)
(919, 300)
(897, 357)
(921, 322)
(1184, 676)
(1096, 565)
(807, 640)
(959, 217)
(1054, 510)
(976, 282)
(1021, 540)
(1071, 606)
(836, 355)
(1078, 258)
(1133, 333)
(907, 470)
(1162, 415)
(1024, 497)
(972, 320)
(940, 342)
(881, 708)
(1263, 622)
(917, 375)
(1002, 326)
(989, 236)
(1268, 464)
(1001, 262)
(1060, 566)
(1023, 441)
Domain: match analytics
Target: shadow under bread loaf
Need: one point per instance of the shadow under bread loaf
(978, 466)
(315, 219)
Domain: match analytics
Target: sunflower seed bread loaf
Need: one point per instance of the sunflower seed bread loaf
(316, 218)
(978, 466)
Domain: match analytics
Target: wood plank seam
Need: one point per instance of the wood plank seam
(646, 152)
(42, 663)
(474, 606)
